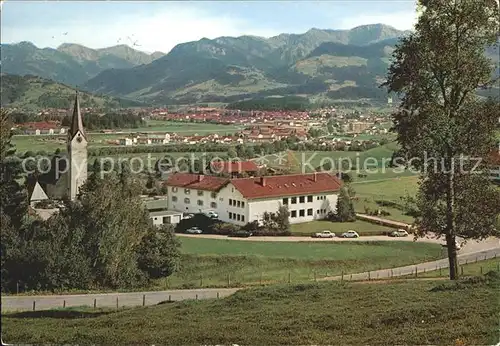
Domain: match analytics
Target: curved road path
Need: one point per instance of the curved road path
(473, 251)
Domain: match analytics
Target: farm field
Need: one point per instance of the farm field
(221, 263)
(393, 313)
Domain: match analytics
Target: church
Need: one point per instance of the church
(67, 173)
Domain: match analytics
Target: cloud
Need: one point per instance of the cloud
(159, 31)
(402, 20)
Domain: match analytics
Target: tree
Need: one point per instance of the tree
(13, 198)
(159, 252)
(441, 124)
(345, 209)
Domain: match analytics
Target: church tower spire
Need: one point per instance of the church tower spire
(77, 152)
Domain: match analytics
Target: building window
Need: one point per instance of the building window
(238, 204)
(302, 212)
(243, 218)
(200, 202)
(230, 215)
(174, 198)
(293, 213)
(302, 199)
(166, 219)
(317, 211)
(309, 198)
(213, 205)
(174, 189)
(238, 217)
(214, 194)
(187, 191)
(200, 193)
(285, 201)
(294, 200)
(309, 212)
(230, 201)
(156, 218)
(187, 201)
(243, 204)
(317, 198)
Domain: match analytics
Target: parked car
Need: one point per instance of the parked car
(350, 234)
(324, 234)
(212, 214)
(194, 230)
(458, 246)
(399, 233)
(187, 216)
(241, 234)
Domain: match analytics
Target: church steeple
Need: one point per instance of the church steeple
(76, 120)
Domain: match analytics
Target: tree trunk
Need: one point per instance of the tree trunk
(450, 219)
(452, 256)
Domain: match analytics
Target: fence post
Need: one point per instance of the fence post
(17, 287)
(143, 300)
(350, 279)
(64, 303)
(201, 280)
(95, 303)
(392, 273)
(369, 276)
(498, 267)
(33, 305)
(116, 303)
(196, 296)
(228, 280)
(289, 277)
(440, 271)
(169, 297)
(314, 272)
(481, 270)
(217, 295)
(416, 271)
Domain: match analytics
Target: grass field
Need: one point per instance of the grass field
(392, 190)
(409, 313)
(212, 262)
(362, 227)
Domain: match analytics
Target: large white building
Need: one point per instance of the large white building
(307, 196)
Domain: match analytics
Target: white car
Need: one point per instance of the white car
(324, 234)
(212, 214)
(399, 233)
(194, 230)
(187, 216)
(350, 234)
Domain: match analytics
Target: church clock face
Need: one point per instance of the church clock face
(78, 139)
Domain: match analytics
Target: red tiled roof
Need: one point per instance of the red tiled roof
(287, 185)
(494, 158)
(234, 167)
(196, 181)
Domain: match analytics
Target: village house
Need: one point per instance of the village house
(234, 169)
(160, 214)
(307, 196)
(494, 162)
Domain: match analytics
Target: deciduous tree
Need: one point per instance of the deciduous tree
(441, 123)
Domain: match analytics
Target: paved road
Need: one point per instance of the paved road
(427, 266)
(470, 246)
(25, 303)
(488, 249)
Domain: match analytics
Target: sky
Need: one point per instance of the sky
(160, 25)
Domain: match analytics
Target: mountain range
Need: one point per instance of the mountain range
(318, 64)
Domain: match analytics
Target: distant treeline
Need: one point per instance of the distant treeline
(109, 121)
(287, 103)
(90, 121)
